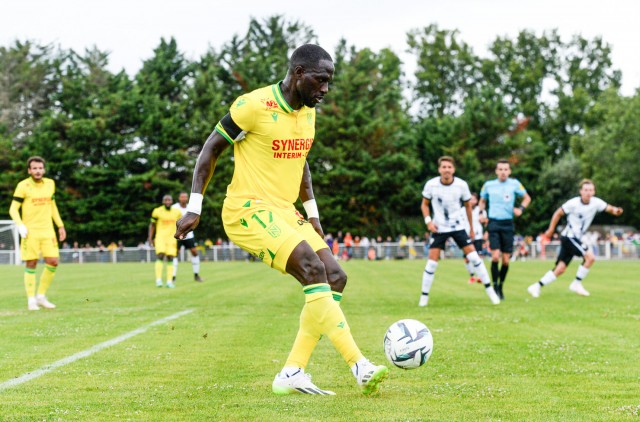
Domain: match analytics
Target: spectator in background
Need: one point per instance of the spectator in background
(348, 244)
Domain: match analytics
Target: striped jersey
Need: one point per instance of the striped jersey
(446, 200)
(580, 215)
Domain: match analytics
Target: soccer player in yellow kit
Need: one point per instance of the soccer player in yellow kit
(163, 222)
(272, 130)
(36, 196)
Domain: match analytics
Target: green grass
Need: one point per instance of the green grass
(559, 357)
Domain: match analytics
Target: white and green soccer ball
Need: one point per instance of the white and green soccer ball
(408, 344)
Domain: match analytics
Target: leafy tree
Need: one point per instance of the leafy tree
(447, 70)
(609, 153)
(363, 169)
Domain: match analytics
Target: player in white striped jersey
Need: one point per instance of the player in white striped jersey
(478, 232)
(580, 212)
(446, 194)
(189, 241)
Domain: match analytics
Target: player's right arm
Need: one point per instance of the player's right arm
(205, 166)
(14, 211)
(426, 213)
(555, 219)
(482, 205)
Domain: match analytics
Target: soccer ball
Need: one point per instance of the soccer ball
(408, 344)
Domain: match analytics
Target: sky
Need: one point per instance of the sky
(131, 29)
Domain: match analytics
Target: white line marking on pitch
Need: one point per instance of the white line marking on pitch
(85, 353)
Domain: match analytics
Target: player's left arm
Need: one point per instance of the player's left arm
(526, 200)
(308, 200)
(613, 210)
(62, 233)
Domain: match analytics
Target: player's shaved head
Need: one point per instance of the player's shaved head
(308, 56)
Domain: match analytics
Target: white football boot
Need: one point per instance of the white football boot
(32, 304)
(369, 376)
(534, 289)
(424, 300)
(493, 296)
(577, 287)
(42, 301)
(296, 383)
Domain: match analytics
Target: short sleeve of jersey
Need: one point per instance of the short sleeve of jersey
(600, 204)
(483, 192)
(243, 112)
(154, 215)
(240, 119)
(466, 193)
(519, 190)
(20, 191)
(569, 206)
(427, 191)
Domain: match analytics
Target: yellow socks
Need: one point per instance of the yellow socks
(30, 281)
(46, 278)
(322, 315)
(169, 270)
(158, 269)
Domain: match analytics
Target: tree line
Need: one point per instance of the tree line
(116, 143)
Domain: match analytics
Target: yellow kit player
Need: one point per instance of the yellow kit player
(272, 130)
(36, 196)
(163, 224)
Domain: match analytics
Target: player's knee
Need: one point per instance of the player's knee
(52, 262)
(473, 257)
(310, 269)
(337, 279)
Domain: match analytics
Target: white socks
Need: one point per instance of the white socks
(428, 275)
(479, 268)
(195, 263)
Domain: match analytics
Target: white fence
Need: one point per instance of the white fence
(386, 250)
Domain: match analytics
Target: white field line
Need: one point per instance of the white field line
(88, 352)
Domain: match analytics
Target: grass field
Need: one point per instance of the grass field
(559, 357)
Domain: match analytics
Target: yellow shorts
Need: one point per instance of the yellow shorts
(268, 233)
(167, 246)
(35, 244)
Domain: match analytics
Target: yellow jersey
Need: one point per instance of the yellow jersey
(165, 221)
(271, 142)
(39, 210)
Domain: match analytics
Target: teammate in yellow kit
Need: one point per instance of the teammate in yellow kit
(36, 196)
(272, 130)
(163, 223)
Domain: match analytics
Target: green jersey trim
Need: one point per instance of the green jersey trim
(315, 288)
(277, 93)
(222, 132)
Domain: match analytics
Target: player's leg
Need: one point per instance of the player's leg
(170, 283)
(474, 259)
(506, 248)
(30, 284)
(583, 270)
(195, 262)
(51, 253)
(495, 245)
(430, 268)
(321, 314)
(160, 255)
(176, 262)
(30, 252)
(567, 251)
